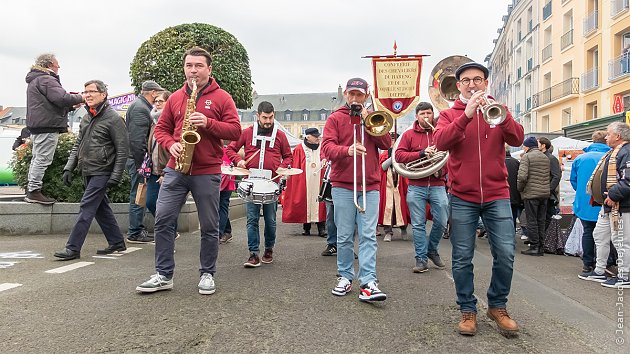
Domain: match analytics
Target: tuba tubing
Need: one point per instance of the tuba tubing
(420, 168)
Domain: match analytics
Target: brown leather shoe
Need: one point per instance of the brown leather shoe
(506, 326)
(267, 257)
(468, 324)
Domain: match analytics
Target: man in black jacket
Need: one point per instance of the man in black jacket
(139, 121)
(47, 107)
(100, 152)
(516, 203)
(555, 174)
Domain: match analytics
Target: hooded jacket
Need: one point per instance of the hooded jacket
(476, 165)
(338, 136)
(102, 146)
(278, 156)
(411, 147)
(533, 175)
(223, 123)
(581, 171)
(47, 103)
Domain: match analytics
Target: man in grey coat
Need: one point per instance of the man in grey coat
(99, 153)
(533, 183)
(139, 121)
(47, 107)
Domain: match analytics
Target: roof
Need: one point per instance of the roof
(13, 115)
(300, 101)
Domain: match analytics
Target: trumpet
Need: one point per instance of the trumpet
(493, 113)
(377, 123)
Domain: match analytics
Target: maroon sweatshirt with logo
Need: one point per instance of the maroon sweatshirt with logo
(476, 165)
(338, 136)
(411, 146)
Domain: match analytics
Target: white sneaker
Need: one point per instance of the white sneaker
(370, 292)
(343, 287)
(206, 284)
(156, 283)
(523, 237)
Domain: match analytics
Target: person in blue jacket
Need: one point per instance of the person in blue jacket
(581, 171)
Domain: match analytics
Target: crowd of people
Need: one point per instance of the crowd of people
(479, 183)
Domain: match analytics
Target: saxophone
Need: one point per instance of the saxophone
(189, 137)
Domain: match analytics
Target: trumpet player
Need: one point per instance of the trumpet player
(479, 187)
(215, 117)
(340, 147)
(418, 143)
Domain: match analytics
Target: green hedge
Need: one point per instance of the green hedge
(53, 181)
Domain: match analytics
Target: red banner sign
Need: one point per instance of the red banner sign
(396, 83)
(618, 105)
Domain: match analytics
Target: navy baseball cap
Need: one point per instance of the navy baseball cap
(471, 65)
(357, 84)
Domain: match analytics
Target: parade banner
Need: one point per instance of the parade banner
(396, 83)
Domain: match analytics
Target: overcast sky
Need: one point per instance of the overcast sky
(294, 46)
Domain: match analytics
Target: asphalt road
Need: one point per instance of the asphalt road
(287, 306)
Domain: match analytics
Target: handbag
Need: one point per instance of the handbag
(146, 168)
(141, 194)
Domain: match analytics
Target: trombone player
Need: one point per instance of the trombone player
(418, 143)
(474, 132)
(339, 146)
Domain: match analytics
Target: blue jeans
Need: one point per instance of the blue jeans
(346, 216)
(497, 217)
(253, 233)
(136, 212)
(153, 191)
(417, 199)
(224, 211)
(331, 239)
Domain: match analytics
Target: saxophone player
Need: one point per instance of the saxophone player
(418, 142)
(213, 114)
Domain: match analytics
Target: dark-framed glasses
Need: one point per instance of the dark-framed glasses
(466, 81)
(91, 92)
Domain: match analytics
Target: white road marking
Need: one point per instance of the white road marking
(105, 257)
(20, 255)
(7, 286)
(130, 249)
(4, 265)
(68, 267)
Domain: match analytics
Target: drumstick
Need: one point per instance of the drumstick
(251, 157)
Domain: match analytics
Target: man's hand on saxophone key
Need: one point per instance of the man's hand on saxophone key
(175, 149)
(199, 120)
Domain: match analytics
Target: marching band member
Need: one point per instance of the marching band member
(393, 211)
(339, 146)
(277, 154)
(215, 118)
(479, 187)
(301, 204)
(415, 143)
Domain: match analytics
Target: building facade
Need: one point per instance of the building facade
(561, 62)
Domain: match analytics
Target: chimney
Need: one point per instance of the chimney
(339, 93)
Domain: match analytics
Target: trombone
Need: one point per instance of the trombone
(377, 123)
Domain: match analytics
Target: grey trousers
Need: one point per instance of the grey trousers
(604, 233)
(205, 189)
(44, 146)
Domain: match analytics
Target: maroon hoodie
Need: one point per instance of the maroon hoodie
(411, 146)
(338, 136)
(476, 165)
(223, 123)
(278, 156)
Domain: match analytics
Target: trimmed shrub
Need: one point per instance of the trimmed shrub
(53, 182)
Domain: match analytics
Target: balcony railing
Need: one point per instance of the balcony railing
(617, 7)
(590, 23)
(565, 88)
(590, 80)
(530, 64)
(547, 10)
(618, 67)
(566, 39)
(546, 53)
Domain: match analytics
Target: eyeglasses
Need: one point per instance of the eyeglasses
(159, 101)
(91, 92)
(466, 81)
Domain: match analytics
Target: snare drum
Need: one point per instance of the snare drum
(258, 190)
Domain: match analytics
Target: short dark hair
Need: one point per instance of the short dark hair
(265, 107)
(546, 142)
(198, 52)
(100, 85)
(422, 106)
(599, 136)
